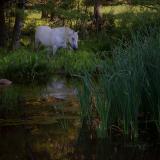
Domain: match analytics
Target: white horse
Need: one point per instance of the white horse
(56, 38)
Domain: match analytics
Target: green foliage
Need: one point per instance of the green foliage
(25, 66)
(129, 22)
(129, 86)
(144, 2)
(72, 14)
(75, 62)
(85, 98)
(10, 99)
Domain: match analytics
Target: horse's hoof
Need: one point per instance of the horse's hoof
(5, 82)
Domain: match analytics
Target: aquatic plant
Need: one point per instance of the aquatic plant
(10, 99)
(128, 89)
(85, 98)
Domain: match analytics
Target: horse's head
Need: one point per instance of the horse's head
(73, 40)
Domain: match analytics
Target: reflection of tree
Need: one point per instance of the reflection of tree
(89, 147)
(49, 142)
(31, 154)
(45, 142)
(41, 155)
(12, 143)
(85, 145)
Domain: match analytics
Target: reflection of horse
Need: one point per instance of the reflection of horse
(56, 38)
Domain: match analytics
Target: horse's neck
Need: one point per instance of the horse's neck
(66, 34)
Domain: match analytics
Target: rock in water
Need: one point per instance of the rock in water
(5, 82)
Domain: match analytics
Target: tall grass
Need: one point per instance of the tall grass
(10, 99)
(25, 66)
(129, 87)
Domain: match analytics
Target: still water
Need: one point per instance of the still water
(43, 123)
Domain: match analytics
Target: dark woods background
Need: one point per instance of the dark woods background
(75, 13)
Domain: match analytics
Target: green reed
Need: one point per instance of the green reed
(129, 87)
(10, 100)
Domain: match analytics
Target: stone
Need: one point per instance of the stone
(5, 82)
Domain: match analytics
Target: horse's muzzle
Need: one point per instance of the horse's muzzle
(75, 48)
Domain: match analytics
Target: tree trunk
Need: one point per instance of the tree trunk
(97, 14)
(3, 34)
(44, 14)
(44, 10)
(18, 24)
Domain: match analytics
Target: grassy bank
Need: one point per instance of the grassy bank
(25, 66)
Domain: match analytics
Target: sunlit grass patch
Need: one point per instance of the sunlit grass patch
(75, 62)
(119, 9)
(32, 20)
(33, 14)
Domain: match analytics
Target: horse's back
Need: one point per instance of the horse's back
(42, 29)
(43, 34)
(58, 36)
(59, 31)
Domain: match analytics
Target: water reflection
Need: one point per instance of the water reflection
(59, 90)
(48, 127)
(88, 147)
(38, 142)
(45, 127)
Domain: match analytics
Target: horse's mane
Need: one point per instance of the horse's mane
(69, 30)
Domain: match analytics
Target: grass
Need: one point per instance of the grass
(78, 62)
(10, 98)
(123, 8)
(25, 66)
(128, 88)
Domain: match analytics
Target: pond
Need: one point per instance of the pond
(43, 123)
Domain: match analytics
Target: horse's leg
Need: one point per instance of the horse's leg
(49, 50)
(70, 48)
(36, 45)
(54, 49)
